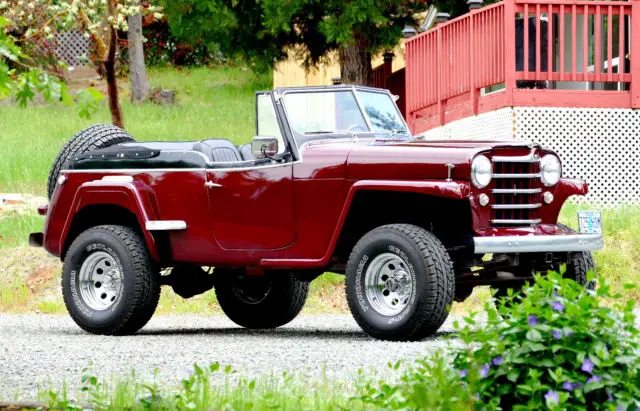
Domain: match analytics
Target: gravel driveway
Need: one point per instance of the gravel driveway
(40, 349)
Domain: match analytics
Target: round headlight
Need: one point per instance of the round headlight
(550, 170)
(481, 170)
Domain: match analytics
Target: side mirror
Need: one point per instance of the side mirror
(264, 147)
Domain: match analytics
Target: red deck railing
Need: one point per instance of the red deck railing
(565, 53)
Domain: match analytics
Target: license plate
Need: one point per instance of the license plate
(590, 222)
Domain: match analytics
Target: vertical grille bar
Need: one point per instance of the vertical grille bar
(516, 188)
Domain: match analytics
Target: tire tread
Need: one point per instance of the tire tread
(146, 288)
(431, 313)
(91, 138)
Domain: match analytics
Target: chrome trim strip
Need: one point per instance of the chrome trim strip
(515, 175)
(165, 225)
(516, 206)
(538, 243)
(516, 190)
(133, 170)
(516, 159)
(117, 179)
(516, 222)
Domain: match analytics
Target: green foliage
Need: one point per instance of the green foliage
(265, 31)
(558, 347)
(429, 384)
(204, 388)
(23, 81)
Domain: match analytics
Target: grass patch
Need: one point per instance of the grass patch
(15, 228)
(619, 261)
(211, 103)
(205, 388)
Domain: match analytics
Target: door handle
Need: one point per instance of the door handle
(211, 184)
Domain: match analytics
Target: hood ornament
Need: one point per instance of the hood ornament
(450, 168)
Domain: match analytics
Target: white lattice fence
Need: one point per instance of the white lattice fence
(601, 146)
(72, 48)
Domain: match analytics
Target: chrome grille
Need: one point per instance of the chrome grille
(516, 189)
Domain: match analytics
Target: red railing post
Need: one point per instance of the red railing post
(473, 91)
(634, 51)
(439, 77)
(510, 49)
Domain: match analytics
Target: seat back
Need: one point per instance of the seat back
(245, 152)
(219, 150)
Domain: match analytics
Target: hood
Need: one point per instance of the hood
(420, 159)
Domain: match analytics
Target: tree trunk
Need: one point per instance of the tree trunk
(355, 62)
(137, 72)
(112, 82)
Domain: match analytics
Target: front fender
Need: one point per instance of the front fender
(565, 188)
(134, 196)
(446, 189)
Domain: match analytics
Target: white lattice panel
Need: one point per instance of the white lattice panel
(600, 145)
(494, 125)
(72, 48)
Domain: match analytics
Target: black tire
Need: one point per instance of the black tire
(578, 268)
(138, 295)
(260, 302)
(427, 264)
(91, 138)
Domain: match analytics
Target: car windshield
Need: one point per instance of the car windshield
(334, 111)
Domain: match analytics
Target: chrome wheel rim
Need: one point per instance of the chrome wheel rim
(100, 281)
(388, 284)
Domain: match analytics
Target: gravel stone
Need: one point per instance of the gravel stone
(44, 350)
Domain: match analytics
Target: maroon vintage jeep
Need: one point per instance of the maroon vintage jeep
(333, 182)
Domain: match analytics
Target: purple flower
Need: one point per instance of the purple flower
(568, 386)
(609, 397)
(587, 366)
(569, 333)
(552, 397)
(594, 379)
(484, 371)
(463, 373)
(557, 306)
(532, 320)
(497, 361)
(557, 334)
(620, 408)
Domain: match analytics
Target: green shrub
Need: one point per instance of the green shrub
(557, 347)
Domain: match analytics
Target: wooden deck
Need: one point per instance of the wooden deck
(541, 53)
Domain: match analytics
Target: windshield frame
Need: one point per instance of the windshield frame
(282, 93)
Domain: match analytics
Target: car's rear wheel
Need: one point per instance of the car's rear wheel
(109, 283)
(91, 138)
(400, 283)
(267, 301)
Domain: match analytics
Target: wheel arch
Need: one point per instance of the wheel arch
(126, 204)
(430, 207)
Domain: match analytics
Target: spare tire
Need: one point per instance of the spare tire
(91, 138)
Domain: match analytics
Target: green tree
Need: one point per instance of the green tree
(266, 31)
(23, 22)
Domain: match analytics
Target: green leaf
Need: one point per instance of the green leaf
(513, 375)
(88, 102)
(534, 335)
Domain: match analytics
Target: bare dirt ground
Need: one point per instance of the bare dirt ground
(11, 203)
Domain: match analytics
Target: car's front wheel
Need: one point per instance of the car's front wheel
(109, 283)
(400, 283)
(267, 301)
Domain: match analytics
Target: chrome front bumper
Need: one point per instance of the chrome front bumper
(538, 243)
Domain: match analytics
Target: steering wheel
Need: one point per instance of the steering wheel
(356, 127)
